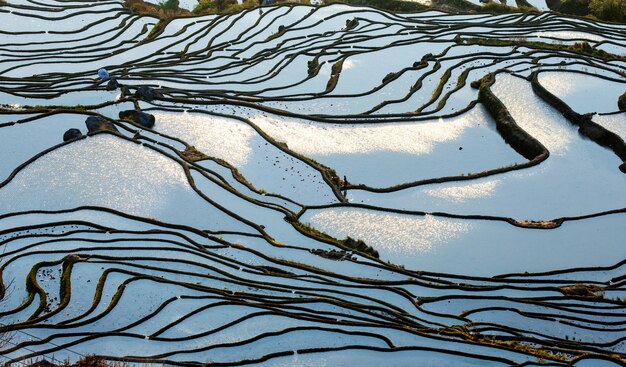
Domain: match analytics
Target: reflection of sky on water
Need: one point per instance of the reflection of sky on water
(389, 233)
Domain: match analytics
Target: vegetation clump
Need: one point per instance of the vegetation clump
(579, 47)
(170, 9)
(490, 6)
(170, 5)
(458, 5)
(586, 48)
(335, 71)
(313, 67)
(389, 77)
(583, 290)
(360, 246)
(166, 10)
(220, 6)
(456, 330)
(497, 8)
(539, 352)
(271, 270)
(193, 154)
(610, 10)
(573, 7)
(397, 6)
(351, 23)
(621, 102)
(539, 224)
(333, 254)
(87, 361)
(281, 31)
(348, 242)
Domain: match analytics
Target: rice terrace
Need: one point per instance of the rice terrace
(278, 183)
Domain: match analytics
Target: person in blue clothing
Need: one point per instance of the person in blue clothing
(103, 74)
(112, 84)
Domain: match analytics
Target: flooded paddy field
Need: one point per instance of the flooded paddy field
(311, 186)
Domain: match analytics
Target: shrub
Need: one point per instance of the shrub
(166, 10)
(213, 6)
(611, 10)
(351, 23)
(360, 246)
(459, 5)
(575, 7)
(390, 5)
(169, 5)
(493, 7)
(525, 5)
